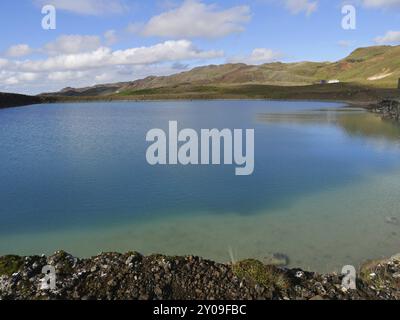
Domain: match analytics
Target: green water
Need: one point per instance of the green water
(326, 180)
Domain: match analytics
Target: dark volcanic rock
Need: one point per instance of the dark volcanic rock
(112, 276)
(388, 109)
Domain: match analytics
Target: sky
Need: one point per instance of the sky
(103, 41)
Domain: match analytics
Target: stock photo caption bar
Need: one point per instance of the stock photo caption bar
(199, 158)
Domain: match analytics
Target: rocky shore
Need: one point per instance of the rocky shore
(113, 276)
(388, 109)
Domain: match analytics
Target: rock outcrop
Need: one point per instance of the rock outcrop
(388, 109)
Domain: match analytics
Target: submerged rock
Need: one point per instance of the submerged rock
(277, 259)
(392, 220)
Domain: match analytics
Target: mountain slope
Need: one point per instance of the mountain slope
(377, 66)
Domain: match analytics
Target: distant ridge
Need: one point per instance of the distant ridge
(377, 67)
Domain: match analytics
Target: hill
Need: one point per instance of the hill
(374, 67)
(15, 100)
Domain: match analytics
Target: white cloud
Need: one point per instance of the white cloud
(79, 79)
(100, 65)
(381, 3)
(258, 56)
(162, 52)
(73, 44)
(196, 19)
(103, 77)
(65, 75)
(11, 81)
(3, 63)
(299, 6)
(86, 7)
(27, 76)
(19, 50)
(15, 78)
(389, 37)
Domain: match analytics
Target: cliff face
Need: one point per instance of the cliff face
(8, 100)
(388, 109)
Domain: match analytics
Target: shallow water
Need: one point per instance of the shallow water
(75, 177)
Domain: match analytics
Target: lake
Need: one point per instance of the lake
(325, 190)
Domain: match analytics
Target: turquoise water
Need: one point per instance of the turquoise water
(326, 180)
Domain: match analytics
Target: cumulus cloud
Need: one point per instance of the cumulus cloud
(54, 81)
(12, 78)
(19, 50)
(101, 64)
(86, 7)
(196, 19)
(389, 37)
(65, 75)
(103, 56)
(257, 56)
(73, 44)
(3, 62)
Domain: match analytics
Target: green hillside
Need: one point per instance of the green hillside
(372, 67)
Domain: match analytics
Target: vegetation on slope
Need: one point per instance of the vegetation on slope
(374, 67)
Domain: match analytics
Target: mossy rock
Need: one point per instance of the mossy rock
(369, 267)
(265, 275)
(10, 265)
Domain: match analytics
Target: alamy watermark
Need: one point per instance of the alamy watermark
(349, 281)
(188, 147)
(49, 280)
(49, 21)
(349, 21)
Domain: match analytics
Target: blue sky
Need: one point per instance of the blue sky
(99, 41)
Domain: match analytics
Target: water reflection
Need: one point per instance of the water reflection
(354, 121)
(74, 177)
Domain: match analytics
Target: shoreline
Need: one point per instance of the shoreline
(347, 93)
(131, 276)
(367, 105)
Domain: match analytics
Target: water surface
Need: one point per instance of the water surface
(326, 180)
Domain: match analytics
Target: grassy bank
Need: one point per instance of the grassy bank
(333, 92)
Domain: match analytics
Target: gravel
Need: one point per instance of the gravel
(114, 276)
